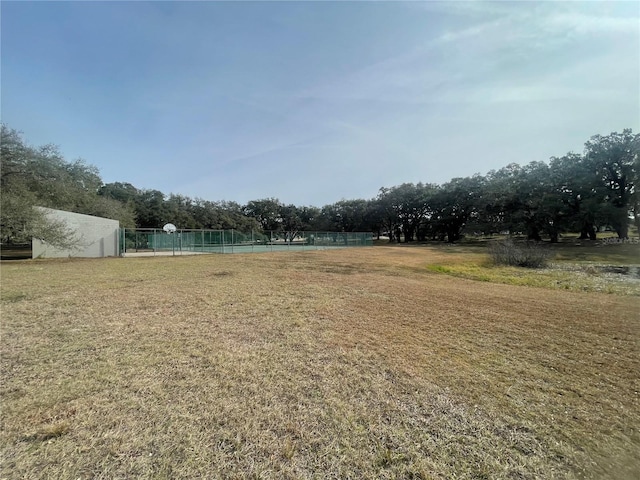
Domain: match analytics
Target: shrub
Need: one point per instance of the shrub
(529, 254)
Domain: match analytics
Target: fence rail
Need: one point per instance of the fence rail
(156, 241)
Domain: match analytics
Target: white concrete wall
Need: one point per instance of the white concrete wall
(97, 236)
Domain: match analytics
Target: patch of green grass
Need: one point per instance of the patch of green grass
(471, 271)
(574, 268)
(439, 269)
(554, 277)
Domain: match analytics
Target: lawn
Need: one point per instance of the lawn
(357, 363)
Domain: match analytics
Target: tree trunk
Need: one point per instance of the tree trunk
(588, 231)
(623, 231)
(534, 234)
(408, 235)
(453, 235)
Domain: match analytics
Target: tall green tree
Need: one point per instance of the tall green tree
(614, 161)
(40, 176)
(517, 198)
(121, 191)
(180, 211)
(291, 222)
(267, 212)
(151, 210)
(233, 217)
(581, 193)
(374, 217)
(310, 217)
(346, 216)
(454, 204)
(407, 206)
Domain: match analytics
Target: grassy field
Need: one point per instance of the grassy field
(586, 267)
(359, 363)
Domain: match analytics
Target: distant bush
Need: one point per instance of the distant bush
(529, 254)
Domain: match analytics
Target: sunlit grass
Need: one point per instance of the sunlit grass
(555, 277)
(574, 267)
(361, 363)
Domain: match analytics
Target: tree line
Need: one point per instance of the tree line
(573, 193)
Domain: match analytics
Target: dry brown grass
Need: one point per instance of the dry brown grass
(341, 364)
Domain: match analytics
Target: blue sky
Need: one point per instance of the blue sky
(313, 102)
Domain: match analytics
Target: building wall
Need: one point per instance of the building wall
(97, 236)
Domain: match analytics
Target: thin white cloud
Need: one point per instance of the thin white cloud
(466, 33)
(584, 24)
(491, 51)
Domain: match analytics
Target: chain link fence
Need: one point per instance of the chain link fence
(154, 241)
